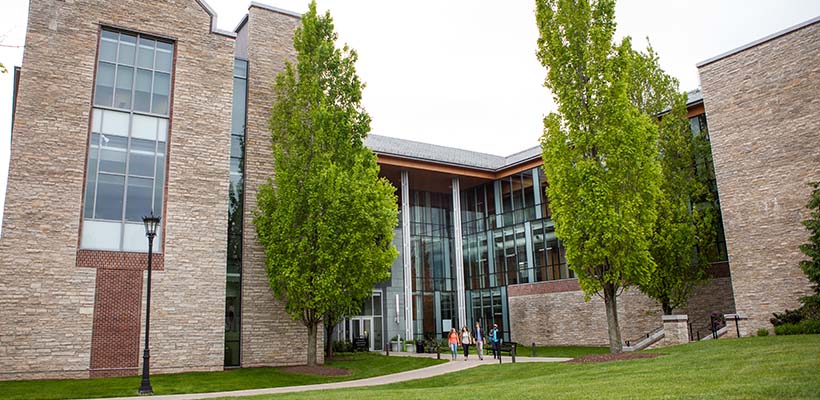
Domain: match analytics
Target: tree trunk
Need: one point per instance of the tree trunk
(667, 309)
(311, 350)
(615, 345)
(329, 328)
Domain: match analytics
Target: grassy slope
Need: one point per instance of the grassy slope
(559, 351)
(361, 365)
(763, 368)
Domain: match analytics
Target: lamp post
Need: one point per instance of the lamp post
(151, 223)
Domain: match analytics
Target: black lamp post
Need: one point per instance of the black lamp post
(151, 223)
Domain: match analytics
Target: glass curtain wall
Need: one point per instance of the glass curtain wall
(706, 168)
(433, 264)
(508, 239)
(236, 198)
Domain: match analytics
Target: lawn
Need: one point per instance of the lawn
(361, 365)
(784, 367)
(559, 351)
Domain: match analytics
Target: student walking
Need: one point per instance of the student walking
(495, 340)
(465, 341)
(478, 335)
(453, 340)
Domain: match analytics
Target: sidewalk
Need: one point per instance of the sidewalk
(452, 366)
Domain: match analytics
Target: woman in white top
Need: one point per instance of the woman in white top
(465, 341)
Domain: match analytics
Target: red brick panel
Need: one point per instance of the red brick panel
(116, 332)
(563, 285)
(118, 260)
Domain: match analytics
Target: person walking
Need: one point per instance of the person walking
(495, 340)
(453, 340)
(465, 341)
(478, 335)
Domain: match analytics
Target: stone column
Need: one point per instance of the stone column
(736, 325)
(676, 329)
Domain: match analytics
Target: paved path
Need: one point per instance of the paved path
(453, 366)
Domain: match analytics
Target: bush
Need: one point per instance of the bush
(762, 332)
(410, 341)
(802, 328)
(788, 317)
(342, 346)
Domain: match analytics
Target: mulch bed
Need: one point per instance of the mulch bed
(611, 357)
(317, 370)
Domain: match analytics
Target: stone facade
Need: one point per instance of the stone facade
(554, 313)
(764, 118)
(715, 296)
(269, 335)
(67, 316)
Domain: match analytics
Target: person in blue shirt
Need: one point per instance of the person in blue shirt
(496, 341)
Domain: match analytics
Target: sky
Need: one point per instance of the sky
(463, 73)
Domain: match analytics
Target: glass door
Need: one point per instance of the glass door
(362, 328)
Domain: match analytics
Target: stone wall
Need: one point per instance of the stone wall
(764, 119)
(554, 313)
(714, 296)
(269, 335)
(47, 301)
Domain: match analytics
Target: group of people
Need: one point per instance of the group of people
(476, 337)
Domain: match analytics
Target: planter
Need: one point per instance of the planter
(395, 346)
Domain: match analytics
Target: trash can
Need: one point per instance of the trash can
(419, 346)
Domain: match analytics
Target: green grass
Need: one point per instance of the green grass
(559, 351)
(784, 367)
(361, 365)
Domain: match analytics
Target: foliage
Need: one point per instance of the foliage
(762, 332)
(325, 219)
(684, 231)
(787, 317)
(600, 151)
(811, 267)
(804, 327)
(3, 69)
(342, 346)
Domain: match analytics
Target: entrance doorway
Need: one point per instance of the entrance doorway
(362, 327)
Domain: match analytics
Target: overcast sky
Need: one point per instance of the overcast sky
(463, 73)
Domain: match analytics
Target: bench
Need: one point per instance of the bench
(504, 347)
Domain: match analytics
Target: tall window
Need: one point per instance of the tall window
(125, 174)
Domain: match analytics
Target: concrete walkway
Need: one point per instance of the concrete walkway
(452, 366)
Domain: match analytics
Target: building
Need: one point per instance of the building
(155, 108)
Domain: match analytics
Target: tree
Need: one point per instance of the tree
(600, 152)
(325, 218)
(811, 267)
(684, 231)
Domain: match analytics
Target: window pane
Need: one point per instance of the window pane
(142, 93)
(164, 60)
(160, 180)
(101, 235)
(138, 203)
(109, 197)
(110, 35)
(144, 127)
(91, 176)
(236, 146)
(141, 158)
(108, 50)
(112, 156)
(238, 112)
(125, 79)
(145, 56)
(165, 46)
(104, 92)
(114, 123)
(162, 84)
(240, 68)
(126, 54)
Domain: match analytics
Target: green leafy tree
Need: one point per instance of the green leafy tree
(325, 218)
(600, 152)
(811, 267)
(684, 231)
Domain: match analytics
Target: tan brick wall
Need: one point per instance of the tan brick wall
(563, 318)
(764, 119)
(46, 301)
(269, 335)
(714, 296)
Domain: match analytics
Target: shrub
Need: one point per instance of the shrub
(410, 341)
(762, 332)
(787, 317)
(342, 346)
(802, 328)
